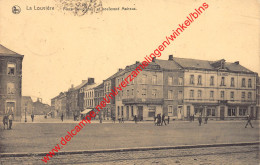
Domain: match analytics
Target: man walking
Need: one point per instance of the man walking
(168, 119)
(32, 116)
(10, 118)
(163, 119)
(135, 119)
(200, 120)
(249, 121)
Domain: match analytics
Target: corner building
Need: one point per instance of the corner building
(181, 88)
(10, 83)
(143, 96)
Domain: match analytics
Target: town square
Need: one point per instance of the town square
(129, 82)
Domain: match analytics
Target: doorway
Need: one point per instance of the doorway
(222, 113)
(179, 112)
(140, 112)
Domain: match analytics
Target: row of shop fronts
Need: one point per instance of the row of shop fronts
(182, 112)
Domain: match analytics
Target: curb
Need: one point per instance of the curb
(130, 149)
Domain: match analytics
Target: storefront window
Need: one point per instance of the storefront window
(231, 111)
(170, 110)
(151, 111)
(242, 111)
(198, 111)
(210, 111)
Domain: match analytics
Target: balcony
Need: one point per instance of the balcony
(143, 101)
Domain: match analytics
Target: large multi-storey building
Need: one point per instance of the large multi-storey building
(143, 96)
(217, 89)
(10, 83)
(181, 88)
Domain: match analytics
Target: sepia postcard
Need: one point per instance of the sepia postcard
(129, 82)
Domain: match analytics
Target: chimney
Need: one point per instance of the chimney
(237, 62)
(120, 69)
(72, 86)
(153, 60)
(137, 62)
(91, 80)
(170, 58)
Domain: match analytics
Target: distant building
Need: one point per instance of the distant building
(89, 95)
(10, 83)
(98, 97)
(75, 98)
(41, 108)
(58, 105)
(110, 83)
(27, 106)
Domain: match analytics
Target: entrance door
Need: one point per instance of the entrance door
(10, 108)
(188, 112)
(179, 113)
(127, 112)
(140, 112)
(222, 113)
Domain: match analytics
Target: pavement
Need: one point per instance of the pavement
(43, 136)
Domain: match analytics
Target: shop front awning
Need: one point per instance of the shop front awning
(86, 111)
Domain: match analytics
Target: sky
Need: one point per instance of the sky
(61, 48)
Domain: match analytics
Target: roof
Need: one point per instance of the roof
(80, 85)
(115, 75)
(100, 86)
(187, 63)
(167, 64)
(6, 52)
(193, 63)
(91, 86)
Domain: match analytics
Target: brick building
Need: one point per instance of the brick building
(98, 96)
(10, 83)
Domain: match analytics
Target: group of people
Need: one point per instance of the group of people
(159, 120)
(200, 120)
(8, 121)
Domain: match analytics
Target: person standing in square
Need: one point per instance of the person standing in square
(10, 118)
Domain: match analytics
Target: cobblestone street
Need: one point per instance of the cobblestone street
(237, 155)
(42, 137)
